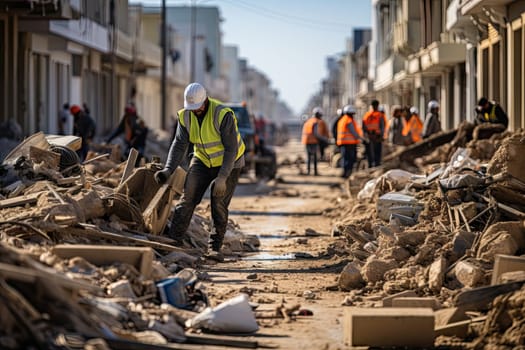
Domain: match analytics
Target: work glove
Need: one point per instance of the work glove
(162, 176)
(219, 187)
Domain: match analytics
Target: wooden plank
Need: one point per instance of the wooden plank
(478, 299)
(29, 275)
(93, 231)
(20, 200)
(130, 165)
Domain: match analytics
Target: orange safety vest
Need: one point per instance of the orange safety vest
(322, 129)
(414, 127)
(371, 121)
(308, 132)
(344, 136)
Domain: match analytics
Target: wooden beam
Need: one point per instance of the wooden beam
(130, 165)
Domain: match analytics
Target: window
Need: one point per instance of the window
(77, 65)
(518, 81)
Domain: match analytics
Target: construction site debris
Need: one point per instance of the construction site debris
(443, 234)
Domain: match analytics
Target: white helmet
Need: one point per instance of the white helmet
(381, 108)
(317, 111)
(433, 104)
(414, 110)
(349, 109)
(194, 96)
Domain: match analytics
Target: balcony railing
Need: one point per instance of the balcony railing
(52, 9)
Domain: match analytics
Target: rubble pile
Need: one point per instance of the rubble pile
(449, 225)
(82, 258)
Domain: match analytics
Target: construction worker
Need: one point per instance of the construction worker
(374, 132)
(312, 136)
(348, 136)
(413, 127)
(217, 161)
(490, 112)
(432, 123)
(135, 132)
(83, 126)
(397, 124)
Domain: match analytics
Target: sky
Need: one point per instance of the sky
(288, 40)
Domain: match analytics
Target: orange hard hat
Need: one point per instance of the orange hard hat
(74, 109)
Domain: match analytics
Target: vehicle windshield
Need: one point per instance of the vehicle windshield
(243, 119)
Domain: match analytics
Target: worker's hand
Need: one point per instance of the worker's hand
(162, 176)
(219, 187)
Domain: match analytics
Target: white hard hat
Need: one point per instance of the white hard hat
(317, 111)
(433, 104)
(339, 112)
(381, 108)
(194, 96)
(414, 110)
(349, 109)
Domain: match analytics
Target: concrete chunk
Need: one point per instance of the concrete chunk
(450, 315)
(140, 257)
(388, 327)
(436, 274)
(468, 274)
(426, 302)
(387, 302)
(350, 277)
(506, 263)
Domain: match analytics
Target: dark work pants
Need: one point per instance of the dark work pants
(349, 155)
(311, 154)
(373, 153)
(198, 179)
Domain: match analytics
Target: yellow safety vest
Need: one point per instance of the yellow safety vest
(206, 137)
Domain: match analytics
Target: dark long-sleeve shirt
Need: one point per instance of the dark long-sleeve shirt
(179, 146)
(432, 125)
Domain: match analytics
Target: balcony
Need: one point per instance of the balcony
(124, 46)
(51, 9)
(439, 55)
(148, 54)
(470, 7)
(386, 71)
(406, 36)
(365, 88)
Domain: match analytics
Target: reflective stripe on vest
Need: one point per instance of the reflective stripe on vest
(308, 137)
(206, 137)
(492, 116)
(344, 136)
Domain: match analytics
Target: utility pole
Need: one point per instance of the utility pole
(163, 67)
(192, 42)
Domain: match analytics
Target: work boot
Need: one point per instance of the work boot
(214, 247)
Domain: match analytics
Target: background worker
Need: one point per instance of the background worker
(432, 123)
(217, 161)
(348, 136)
(490, 112)
(374, 131)
(397, 124)
(83, 126)
(413, 127)
(134, 130)
(311, 137)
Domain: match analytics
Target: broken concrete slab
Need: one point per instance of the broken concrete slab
(410, 237)
(387, 302)
(140, 257)
(387, 327)
(506, 263)
(419, 302)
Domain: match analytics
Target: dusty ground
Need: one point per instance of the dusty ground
(293, 265)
